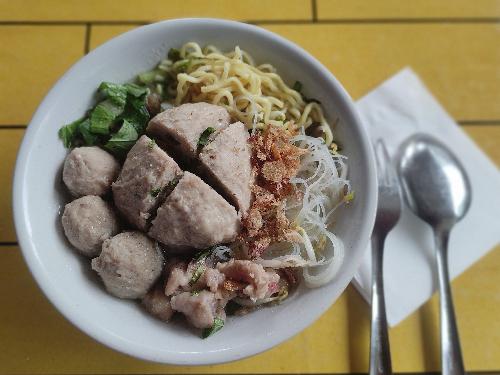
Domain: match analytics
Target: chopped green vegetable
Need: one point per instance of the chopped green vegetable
(151, 144)
(174, 54)
(114, 123)
(137, 113)
(200, 266)
(297, 86)
(136, 90)
(151, 76)
(115, 92)
(123, 140)
(205, 136)
(69, 132)
(89, 139)
(195, 293)
(182, 66)
(154, 193)
(217, 326)
(103, 115)
(174, 182)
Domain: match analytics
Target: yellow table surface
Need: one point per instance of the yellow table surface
(454, 45)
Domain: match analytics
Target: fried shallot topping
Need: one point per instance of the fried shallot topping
(274, 162)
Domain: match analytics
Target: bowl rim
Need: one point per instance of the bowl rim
(179, 358)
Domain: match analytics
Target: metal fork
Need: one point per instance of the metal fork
(388, 212)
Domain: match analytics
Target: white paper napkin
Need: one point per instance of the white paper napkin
(393, 111)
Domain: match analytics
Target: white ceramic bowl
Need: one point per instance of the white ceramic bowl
(66, 278)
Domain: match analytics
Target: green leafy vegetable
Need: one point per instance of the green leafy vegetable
(137, 113)
(182, 66)
(116, 93)
(89, 138)
(174, 54)
(217, 326)
(136, 90)
(68, 133)
(123, 140)
(205, 136)
(103, 115)
(115, 123)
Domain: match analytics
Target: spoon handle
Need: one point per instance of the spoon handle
(451, 354)
(380, 354)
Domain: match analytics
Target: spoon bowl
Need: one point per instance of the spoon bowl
(434, 182)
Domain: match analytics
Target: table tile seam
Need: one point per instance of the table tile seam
(409, 20)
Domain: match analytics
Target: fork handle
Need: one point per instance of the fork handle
(380, 354)
(451, 354)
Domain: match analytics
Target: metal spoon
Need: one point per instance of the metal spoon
(437, 189)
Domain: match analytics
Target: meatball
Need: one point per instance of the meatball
(143, 182)
(89, 171)
(194, 216)
(129, 264)
(182, 126)
(87, 222)
(227, 162)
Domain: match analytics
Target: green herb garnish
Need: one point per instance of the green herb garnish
(205, 136)
(154, 193)
(174, 54)
(182, 66)
(122, 140)
(172, 184)
(217, 326)
(195, 293)
(297, 86)
(68, 133)
(200, 259)
(151, 144)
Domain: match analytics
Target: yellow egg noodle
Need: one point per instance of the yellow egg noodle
(255, 95)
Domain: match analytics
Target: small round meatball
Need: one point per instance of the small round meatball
(129, 264)
(87, 222)
(89, 171)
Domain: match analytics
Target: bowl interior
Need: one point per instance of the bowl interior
(67, 279)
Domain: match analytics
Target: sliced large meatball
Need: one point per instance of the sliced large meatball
(194, 216)
(181, 127)
(145, 179)
(226, 161)
(89, 171)
(129, 264)
(87, 222)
